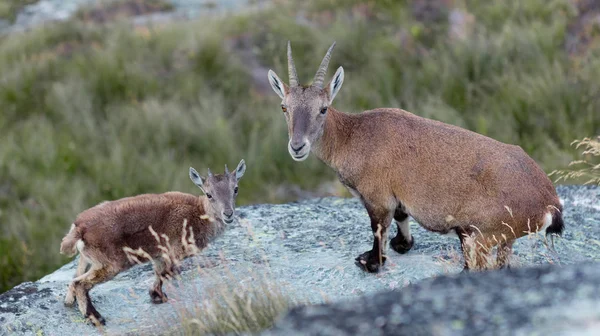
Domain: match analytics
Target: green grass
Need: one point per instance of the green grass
(10, 8)
(117, 9)
(96, 112)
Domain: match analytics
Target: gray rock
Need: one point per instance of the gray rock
(308, 247)
(45, 11)
(548, 300)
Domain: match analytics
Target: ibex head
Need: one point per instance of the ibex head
(305, 107)
(221, 190)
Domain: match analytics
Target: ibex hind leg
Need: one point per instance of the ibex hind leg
(476, 250)
(83, 284)
(403, 241)
(81, 269)
(503, 254)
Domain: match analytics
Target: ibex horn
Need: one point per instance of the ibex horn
(320, 76)
(291, 67)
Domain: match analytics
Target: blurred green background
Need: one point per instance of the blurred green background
(102, 106)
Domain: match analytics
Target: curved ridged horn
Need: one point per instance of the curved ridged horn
(209, 173)
(320, 76)
(291, 67)
(226, 170)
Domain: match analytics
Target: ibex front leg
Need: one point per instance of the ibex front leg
(381, 219)
(162, 270)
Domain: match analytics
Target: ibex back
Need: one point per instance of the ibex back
(447, 178)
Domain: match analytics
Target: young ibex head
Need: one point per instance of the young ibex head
(305, 107)
(221, 190)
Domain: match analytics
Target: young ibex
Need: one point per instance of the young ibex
(162, 227)
(448, 179)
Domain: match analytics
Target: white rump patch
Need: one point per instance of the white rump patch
(80, 245)
(547, 221)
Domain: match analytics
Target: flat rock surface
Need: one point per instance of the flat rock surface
(307, 247)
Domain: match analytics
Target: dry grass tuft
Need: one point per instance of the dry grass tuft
(588, 167)
(481, 252)
(230, 303)
(234, 306)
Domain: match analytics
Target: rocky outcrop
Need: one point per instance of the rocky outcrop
(549, 300)
(309, 248)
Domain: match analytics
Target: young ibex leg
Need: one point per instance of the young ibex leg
(82, 266)
(380, 222)
(81, 269)
(403, 241)
(504, 252)
(83, 284)
(162, 271)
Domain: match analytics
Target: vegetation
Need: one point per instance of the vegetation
(10, 8)
(587, 169)
(92, 112)
(234, 308)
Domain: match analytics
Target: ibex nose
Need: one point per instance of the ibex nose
(297, 148)
(228, 213)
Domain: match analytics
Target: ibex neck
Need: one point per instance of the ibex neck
(336, 131)
(217, 224)
(207, 209)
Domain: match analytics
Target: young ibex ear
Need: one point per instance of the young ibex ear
(336, 83)
(278, 86)
(240, 170)
(196, 178)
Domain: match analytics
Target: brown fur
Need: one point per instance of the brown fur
(111, 235)
(447, 178)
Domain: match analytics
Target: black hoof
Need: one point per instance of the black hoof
(157, 298)
(96, 320)
(369, 262)
(401, 245)
(505, 266)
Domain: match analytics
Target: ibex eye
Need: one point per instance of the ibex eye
(323, 110)
(284, 108)
(235, 190)
(209, 196)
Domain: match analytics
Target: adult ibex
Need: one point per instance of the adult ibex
(111, 236)
(448, 179)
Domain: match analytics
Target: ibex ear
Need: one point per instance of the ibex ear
(196, 178)
(240, 170)
(335, 84)
(278, 86)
